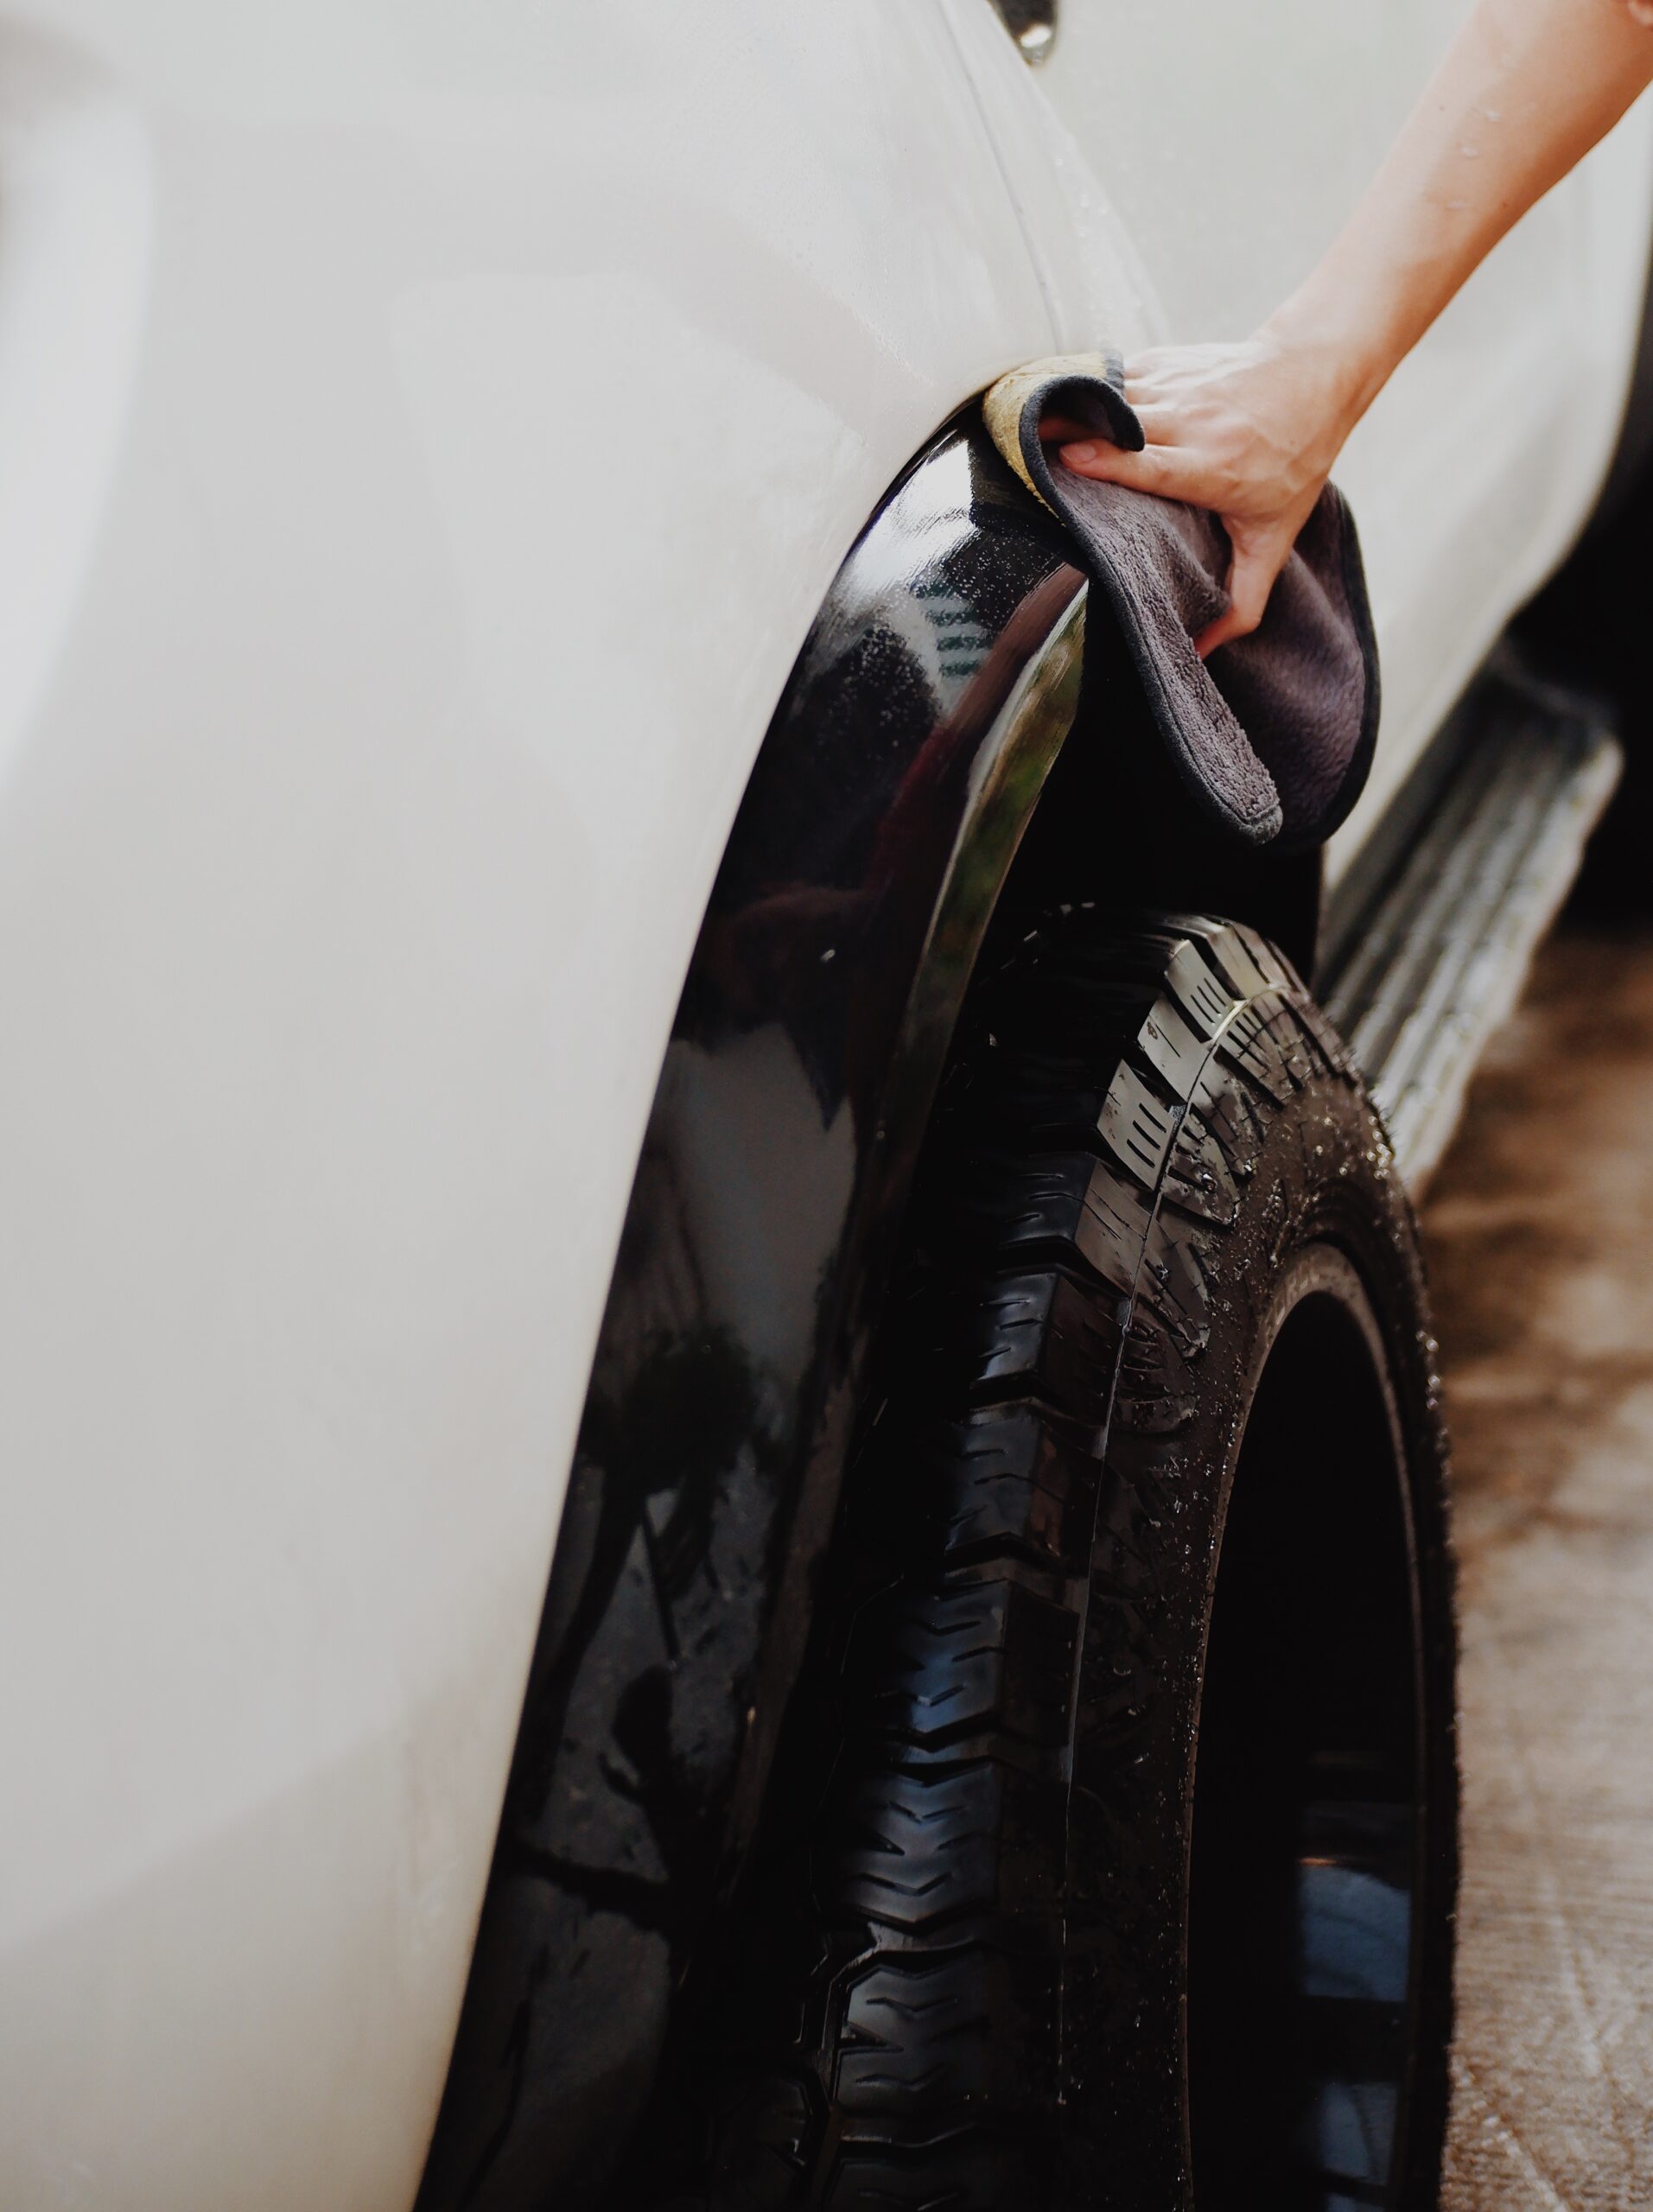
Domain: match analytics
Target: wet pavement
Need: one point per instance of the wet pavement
(1539, 1232)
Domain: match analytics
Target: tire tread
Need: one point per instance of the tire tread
(1100, 1121)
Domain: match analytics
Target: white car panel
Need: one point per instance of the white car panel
(427, 433)
(1230, 155)
(508, 391)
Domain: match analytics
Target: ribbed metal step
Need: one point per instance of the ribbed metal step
(1436, 958)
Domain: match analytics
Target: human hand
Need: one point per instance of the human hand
(1250, 431)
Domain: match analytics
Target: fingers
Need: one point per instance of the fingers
(1143, 376)
(1161, 425)
(1251, 578)
(1170, 474)
(1222, 631)
(1160, 469)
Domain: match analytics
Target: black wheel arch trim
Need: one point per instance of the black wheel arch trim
(903, 766)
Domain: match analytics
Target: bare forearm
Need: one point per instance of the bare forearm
(1526, 89)
(1251, 430)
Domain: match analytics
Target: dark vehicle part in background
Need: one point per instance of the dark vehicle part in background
(1032, 24)
(1115, 1821)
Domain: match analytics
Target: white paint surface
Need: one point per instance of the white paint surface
(349, 865)
(426, 432)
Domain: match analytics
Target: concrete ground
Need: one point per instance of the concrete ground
(1540, 1233)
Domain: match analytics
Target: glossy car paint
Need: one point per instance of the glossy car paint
(931, 703)
(428, 435)
(491, 399)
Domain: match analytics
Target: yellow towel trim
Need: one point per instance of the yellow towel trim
(1002, 408)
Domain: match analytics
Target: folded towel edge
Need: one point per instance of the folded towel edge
(1012, 417)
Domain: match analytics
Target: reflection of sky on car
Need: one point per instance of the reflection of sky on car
(935, 623)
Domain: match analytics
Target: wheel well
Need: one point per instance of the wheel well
(1113, 824)
(895, 807)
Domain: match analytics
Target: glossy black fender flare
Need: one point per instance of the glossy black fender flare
(903, 765)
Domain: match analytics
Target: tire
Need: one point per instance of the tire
(1111, 1851)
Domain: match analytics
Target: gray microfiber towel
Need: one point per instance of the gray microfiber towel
(1274, 736)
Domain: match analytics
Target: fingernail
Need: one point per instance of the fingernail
(1077, 455)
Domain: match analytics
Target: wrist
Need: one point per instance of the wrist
(1345, 358)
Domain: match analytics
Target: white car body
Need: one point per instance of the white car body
(426, 435)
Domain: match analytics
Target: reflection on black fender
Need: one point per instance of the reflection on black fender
(886, 805)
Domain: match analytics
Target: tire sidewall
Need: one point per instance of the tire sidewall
(1320, 1209)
